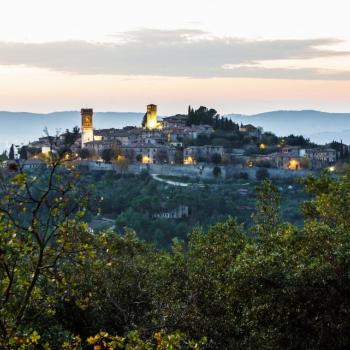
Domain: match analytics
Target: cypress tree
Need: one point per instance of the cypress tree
(12, 152)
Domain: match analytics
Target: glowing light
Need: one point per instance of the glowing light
(45, 150)
(152, 121)
(262, 146)
(294, 164)
(331, 168)
(188, 160)
(146, 160)
(120, 158)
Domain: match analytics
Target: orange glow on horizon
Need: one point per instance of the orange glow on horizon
(56, 91)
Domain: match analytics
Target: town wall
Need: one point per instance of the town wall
(204, 171)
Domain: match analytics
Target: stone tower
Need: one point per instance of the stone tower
(87, 132)
(152, 122)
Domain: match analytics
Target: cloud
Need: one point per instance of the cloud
(187, 53)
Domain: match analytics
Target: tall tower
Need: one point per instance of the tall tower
(87, 133)
(152, 122)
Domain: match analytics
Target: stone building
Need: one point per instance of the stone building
(87, 132)
(176, 121)
(180, 212)
(152, 122)
(196, 154)
(148, 153)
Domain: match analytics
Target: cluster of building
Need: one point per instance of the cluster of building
(164, 142)
(296, 157)
(155, 142)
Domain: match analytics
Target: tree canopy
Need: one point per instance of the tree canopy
(272, 286)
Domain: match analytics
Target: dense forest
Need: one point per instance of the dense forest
(267, 285)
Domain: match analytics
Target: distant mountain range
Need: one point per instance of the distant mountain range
(320, 127)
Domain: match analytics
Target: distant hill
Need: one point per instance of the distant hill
(22, 127)
(320, 127)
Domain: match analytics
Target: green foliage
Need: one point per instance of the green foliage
(144, 120)
(71, 136)
(216, 171)
(3, 156)
(84, 153)
(108, 155)
(12, 152)
(207, 116)
(62, 287)
(267, 216)
(35, 213)
(299, 140)
(132, 200)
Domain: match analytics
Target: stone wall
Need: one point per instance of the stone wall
(198, 171)
(235, 171)
(193, 171)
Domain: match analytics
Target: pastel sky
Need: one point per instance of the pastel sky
(239, 56)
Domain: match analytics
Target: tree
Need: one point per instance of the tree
(216, 158)
(299, 140)
(12, 152)
(38, 229)
(71, 136)
(3, 156)
(216, 171)
(203, 115)
(262, 174)
(144, 120)
(23, 153)
(108, 154)
(191, 284)
(267, 216)
(84, 153)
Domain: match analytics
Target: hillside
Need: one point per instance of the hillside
(320, 127)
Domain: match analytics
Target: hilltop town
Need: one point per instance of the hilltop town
(199, 143)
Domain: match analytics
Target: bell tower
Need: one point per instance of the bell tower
(152, 122)
(87, 133)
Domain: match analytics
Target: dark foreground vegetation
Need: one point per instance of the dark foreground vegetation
(273, 285)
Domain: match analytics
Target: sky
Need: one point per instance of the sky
(237, 56)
